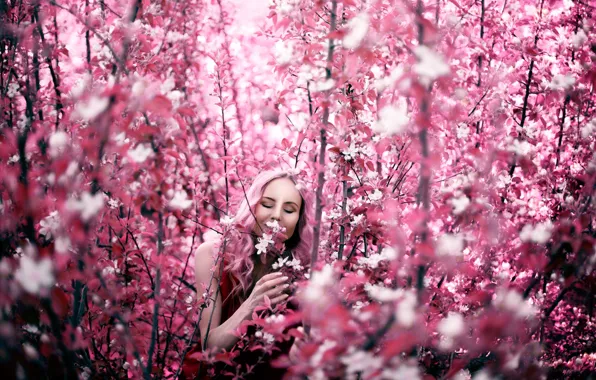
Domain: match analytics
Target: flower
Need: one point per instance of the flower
(49, 225)
(539, 234)
(450, 245)
(405, 313)
(57, 143)
(430, 65)
(93, 108)
(263, 242)
(451, 326)
(375, 195)
(35, 275)
(358, 28)
(140, 153)
(180, 201)
(460, 204)
(88, 206)
(392, 120)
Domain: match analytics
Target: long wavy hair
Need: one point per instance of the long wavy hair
(240, 252)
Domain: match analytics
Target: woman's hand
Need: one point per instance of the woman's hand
(271, 285)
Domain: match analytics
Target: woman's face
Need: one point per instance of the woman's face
(281, 202)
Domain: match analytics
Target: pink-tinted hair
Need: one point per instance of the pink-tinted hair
(240, 244)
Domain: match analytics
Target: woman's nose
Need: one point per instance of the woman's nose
(276, 213)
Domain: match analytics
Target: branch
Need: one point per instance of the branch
(321, 164)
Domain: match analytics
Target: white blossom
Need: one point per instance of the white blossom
(140, 153)
(35, 275)
(325, 85)
(521, 148)
(92, 108)
(392, 119)
(452, 326)
(62, 244)
(263, 243)
(227, 220)
(315, 290)
(512, 301)
(13, 89)
(405, 313)
(373, 260)
(88, 206)
(180, 200)
(460, 204)
(316, 358)
(49, 225)
(57, 143)
(375, 195)
(357, 30)
(589, 129)
(383, 294)
(430, 65)
(382, 83)
(361, 361)
(450, 245)
(536, 234)
(403, 371)
(284, 52)
(579, 38)
(562, 82)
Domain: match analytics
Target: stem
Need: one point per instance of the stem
(567, 99)
(321, 163)
(155, 322)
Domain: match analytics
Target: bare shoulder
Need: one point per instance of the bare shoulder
(205, 256)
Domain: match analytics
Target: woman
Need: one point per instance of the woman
(246, 278)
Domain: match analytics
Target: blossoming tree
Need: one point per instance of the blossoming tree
(450, 145)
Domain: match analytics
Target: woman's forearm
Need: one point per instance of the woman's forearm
(223, 336)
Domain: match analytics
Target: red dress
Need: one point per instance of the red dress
(260, 369)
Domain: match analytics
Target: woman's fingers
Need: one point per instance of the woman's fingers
(276, 290)
(279, 298)
(270, 276)
(275, 282)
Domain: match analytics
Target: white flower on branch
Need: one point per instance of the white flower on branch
(589, 129)
(450, 245)
(227, 220)
(325, 85)
(316, 289)
(88, 206)
(13, 89)
(180, 200)
(140, 153)
(404, 371)
(430, 65)
(579, 39)
(263, 243)
(460, 204)
(393, 119)
(49, 225)
(520, 147)
(405, 314)
(562, 82)
(512, 301)
(452, 326)
(34, 275)
(375, 195)
(383, 294)
(358, 28)
(57, 143)
(361, 361)
(92, 108)
(539, 234)
(373, 260)
(284, 52)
